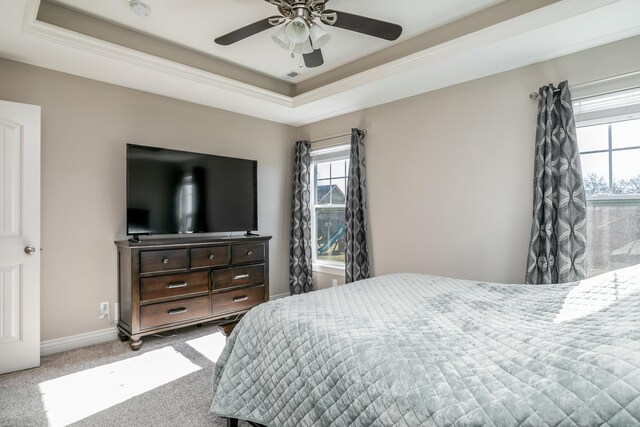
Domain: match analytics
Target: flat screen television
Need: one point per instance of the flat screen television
(179, 192)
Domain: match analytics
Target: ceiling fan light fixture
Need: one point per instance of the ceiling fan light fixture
(281, 39)
(319, 37)
(303, 48)
(297, 30)
(300, 34)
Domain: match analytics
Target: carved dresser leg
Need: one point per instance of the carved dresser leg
(123, 337)
(228, 328)
(135, 343)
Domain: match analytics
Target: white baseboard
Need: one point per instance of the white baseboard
(76, 341)
(272, 297)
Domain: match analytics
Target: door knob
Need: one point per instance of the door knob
(29, 250)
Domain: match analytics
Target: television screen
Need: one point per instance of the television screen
(171, 191)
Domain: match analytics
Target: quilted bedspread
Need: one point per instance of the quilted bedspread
(413, 350)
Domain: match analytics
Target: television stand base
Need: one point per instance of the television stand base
(249, 234)
(135, 238)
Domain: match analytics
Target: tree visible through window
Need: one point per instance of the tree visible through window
(610, 157)
(330, 170)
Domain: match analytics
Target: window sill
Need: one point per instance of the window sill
(333, 269)
(618, 199)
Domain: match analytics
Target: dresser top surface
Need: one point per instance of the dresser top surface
(189, 241)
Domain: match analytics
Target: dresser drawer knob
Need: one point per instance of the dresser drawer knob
(165, 261)
(249, 253)
(210, 256)
(177, 311)
(240, 299)
(177, 285)
(240, 276)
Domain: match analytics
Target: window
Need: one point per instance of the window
(610, 158)
(329, 171)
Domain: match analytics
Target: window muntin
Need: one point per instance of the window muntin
(626, 134)
(610, 157)
(329, 178)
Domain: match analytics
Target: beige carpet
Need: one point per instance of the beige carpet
(180, 402)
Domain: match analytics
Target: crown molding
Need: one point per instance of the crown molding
(531, 21)
(86, 43)
(510, 44)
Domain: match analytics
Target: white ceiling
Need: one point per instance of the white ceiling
(195, 23)
(555, 30)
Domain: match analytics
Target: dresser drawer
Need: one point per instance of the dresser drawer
(155, 261)
(237, 276)
(252, 252)
(172, 285)
(174, 312)
(238, 300)
(211, 256)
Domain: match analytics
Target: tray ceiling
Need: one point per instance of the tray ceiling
(195, 23)
(508, 35)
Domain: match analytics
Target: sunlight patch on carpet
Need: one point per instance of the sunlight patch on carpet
(76, 396)
(210, 346)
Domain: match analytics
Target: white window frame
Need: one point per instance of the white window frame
(321, 155)
(610, 199)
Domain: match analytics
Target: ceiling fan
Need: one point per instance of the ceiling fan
(303, 35)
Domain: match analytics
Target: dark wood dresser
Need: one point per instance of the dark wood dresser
(172, 283)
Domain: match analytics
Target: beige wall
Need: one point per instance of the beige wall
(325, 280)
(85, 125)
(450, 172)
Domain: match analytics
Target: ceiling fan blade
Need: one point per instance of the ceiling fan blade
(313, 59)
(248, 31)
(364, 25)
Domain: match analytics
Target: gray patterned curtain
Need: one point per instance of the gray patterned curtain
(357, 253)
(557, 252)
(300, 243)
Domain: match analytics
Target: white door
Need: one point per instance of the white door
(19, 236)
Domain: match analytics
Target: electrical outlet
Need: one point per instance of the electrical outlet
(104, 310)
(334, 282)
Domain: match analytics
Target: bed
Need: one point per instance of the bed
(413, 349)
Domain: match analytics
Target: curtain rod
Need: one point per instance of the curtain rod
(534, 95)
(364, 131)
